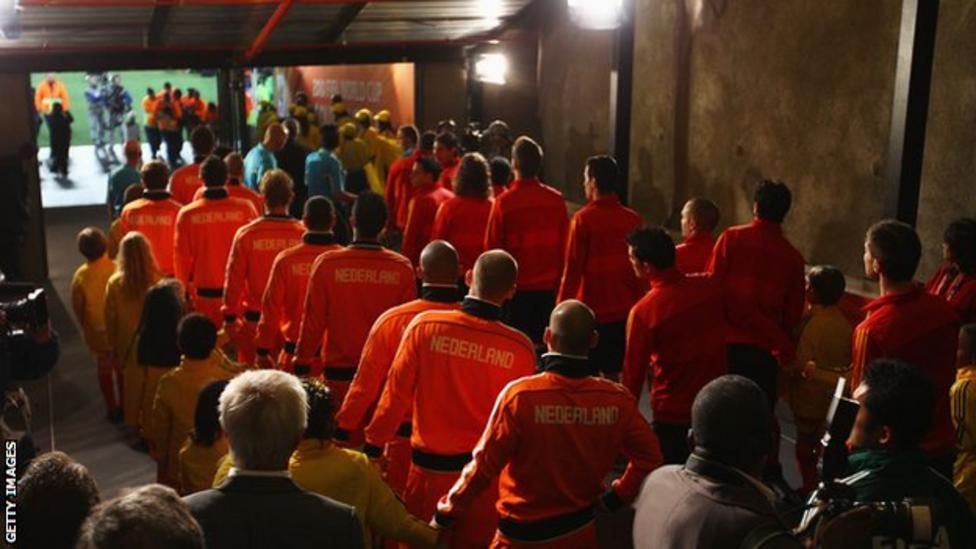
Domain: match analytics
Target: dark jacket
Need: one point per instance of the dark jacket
(704, 505)
(250, 512)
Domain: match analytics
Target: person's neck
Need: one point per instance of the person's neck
(474, 294)
(359, 237)
(133, 163)
(277, 211)
(890, 287)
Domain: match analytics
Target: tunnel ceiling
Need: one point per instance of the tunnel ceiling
(63, 34)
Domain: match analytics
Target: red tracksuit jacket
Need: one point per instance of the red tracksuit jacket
(462, 221)
(692, 255)
(420, 219)
(598, 271)
(537, 423)
(920, 329)
(678, 331)
(956, 288)
(529, 221)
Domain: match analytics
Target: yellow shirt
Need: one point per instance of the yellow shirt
(198, 464)
(175, 404)
(963, 398)
(387, 152)
(123, 311)
(825, 339)
(354, 154)
(348, 477)
(88, 301)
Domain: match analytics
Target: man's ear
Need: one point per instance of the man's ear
(468, 278)
(419, 271)
(547, 337)
(885, 438)
(876, 266)
(594, 339)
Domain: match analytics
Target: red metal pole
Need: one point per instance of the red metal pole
(265, 33)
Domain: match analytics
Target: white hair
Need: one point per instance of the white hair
(264, 414)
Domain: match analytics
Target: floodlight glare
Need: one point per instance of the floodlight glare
(491, 68)
(596, 14)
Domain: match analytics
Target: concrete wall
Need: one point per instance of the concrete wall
(949, 171)
(798, 91)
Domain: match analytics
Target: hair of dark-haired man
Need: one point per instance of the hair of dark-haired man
(654, 246)
(897, 249)
(430, 165)
(197, 336)
(202, 140)
(891, 384)
(448, 140)
(731, 422)
(427, 141)
(92, 243)
(526, 157)
(149, 517)
(319, 215)
(409, 134)
(827, 284)
(772, 200)
(213, 172)
(472, 177)
(206, 418)
(960, 239)
(501, 171)
(603, 170)
(150, 92)
(330, 136)
(154, 175)
(54, 496)
(321, 410)
(368, 215)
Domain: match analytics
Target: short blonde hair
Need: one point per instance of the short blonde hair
(264, 413)
(276, 187)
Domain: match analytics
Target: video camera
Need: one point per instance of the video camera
(24, 304)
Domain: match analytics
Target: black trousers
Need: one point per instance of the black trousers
(529, 312)
(674, 442)
(154, 139)
(760, 366)
(173, 145)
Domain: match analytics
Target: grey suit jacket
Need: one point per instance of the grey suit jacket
(249, 512)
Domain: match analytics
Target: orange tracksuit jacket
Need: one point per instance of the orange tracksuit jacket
(420, 219)
(252, 254)
(536, 423)
(529, 221)
(598, 270)
(205, 231)
(184, 182)
(284, 297)
(236, 190)
(154, 215)
(451, 365)
(347, 291)
(462, 221)
(255, 248)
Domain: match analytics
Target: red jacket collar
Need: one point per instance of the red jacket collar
(606, 200)
(767, 225)
(700, 236)
(666, 277)
(891, 299)
(519, 183)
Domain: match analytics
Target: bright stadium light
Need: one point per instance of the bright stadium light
(491, 12)
(491, 68)
(596, 14)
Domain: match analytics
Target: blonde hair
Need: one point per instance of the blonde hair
(276, 187)
(264, 413)
(137, 264)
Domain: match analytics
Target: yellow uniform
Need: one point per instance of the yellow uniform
(88, 301)
(123, 310)
(825, 339)
(963, 397)
(198, 464)
(388, 151)
(348, 477)
(115, 234)
(174, 407)
(353, 153)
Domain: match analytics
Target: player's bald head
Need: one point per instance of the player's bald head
(571, 328)
(439, 263)
(494, 276)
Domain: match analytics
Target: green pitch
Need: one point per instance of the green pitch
(136, 83)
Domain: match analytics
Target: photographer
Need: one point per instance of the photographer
(28, 350)
(888, 464)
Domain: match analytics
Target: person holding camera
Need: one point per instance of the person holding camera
(887, 462)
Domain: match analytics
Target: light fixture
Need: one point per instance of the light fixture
(491, 68)
(596, 14)
(491, 12)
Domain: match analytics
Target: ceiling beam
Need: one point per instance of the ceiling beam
(151, 3)
(345, 18)
(269, 28)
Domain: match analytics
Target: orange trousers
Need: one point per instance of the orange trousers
(474, 529)
(210, 307)
(583, 538)
(398, 464)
